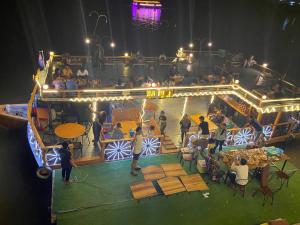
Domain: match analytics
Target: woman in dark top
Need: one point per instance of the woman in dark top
(185, 125)
(162, 122)
(66, 162)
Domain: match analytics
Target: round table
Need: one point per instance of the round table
(69, 130)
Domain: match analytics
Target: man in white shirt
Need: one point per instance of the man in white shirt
(82, 72)
(239, 172)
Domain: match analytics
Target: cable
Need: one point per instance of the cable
(89, 207)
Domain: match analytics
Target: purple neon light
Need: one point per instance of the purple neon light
(149, 14)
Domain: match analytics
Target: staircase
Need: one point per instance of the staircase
(168, 146)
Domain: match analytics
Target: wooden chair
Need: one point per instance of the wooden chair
(285, 176)
(77, 146)
(189, 157)
(241, 188)
(264, 187)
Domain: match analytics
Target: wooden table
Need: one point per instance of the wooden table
(193, 182)
(255, 157)
(173, 170)
(143, 189)
(153, 172)
(171, 185)
(69, 130)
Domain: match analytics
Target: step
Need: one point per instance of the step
(166, 151)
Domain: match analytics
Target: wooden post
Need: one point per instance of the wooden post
(259, 117)
(278, 117)
(277, 120)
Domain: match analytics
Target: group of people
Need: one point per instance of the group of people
(65, 79)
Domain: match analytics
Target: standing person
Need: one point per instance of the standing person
(221, 134)
(66, 162)
(203, 126)
(162, 122)
(137, 149)
(256, 126)
(185, 124)
(97, 124)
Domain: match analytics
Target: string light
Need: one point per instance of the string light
(143, 109)
(212, 99)
(260, 104)
(94, 107)
(184, 106)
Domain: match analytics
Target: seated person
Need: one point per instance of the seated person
(71, 84)
(151, 131)
(223, 80)
(211, 143)
(59, 83)
(67, 72)
(82, 72)
(117, 132)
(239, 172)
(260, 142)
(213, 167)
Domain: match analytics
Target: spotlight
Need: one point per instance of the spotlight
(236, 81)
(51, 53)
(112, 44)
(87, 41)
(265, 65)
(126, 54)
(209, 44)
(153, 84)
(45, 86)
(264, 97)
(191, 55)
(181, 49)
(191, 45)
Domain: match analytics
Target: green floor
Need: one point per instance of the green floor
(105, 199)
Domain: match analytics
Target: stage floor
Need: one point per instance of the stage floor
(104, 198)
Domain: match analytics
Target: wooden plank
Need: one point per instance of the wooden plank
(194, 182)
(171, 185)
(173, 170)
(171, 166)
(153, 172)
(143, 189)
(176, 173)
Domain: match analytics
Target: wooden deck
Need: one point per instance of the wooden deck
(173, 170)
(194, 182)
(153, 172)
(171, 185)
(143, 189)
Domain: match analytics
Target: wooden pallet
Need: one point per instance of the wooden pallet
(171, 185)
(153, 172)
(193, 182)
(143, 189)
(173, 170)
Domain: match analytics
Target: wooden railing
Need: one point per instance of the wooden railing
(32, 123)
